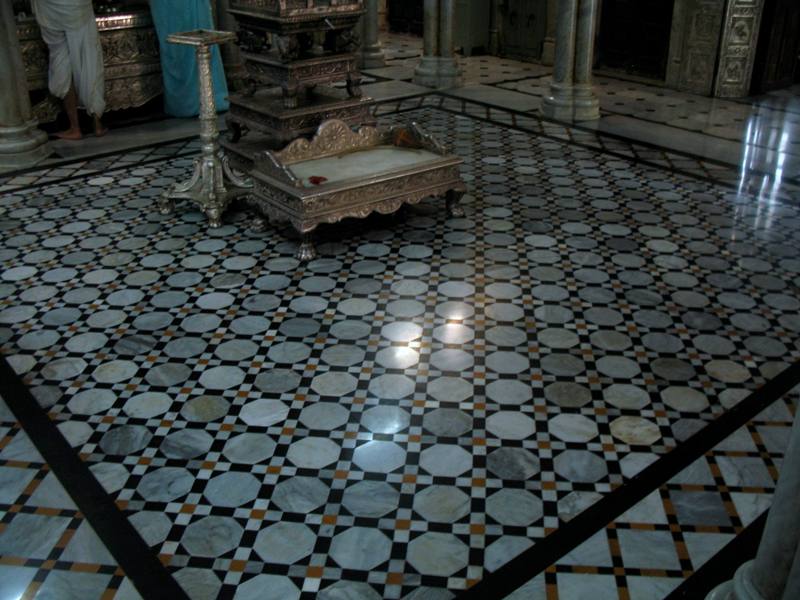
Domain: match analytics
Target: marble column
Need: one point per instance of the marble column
(428, 67)
(21, 143)
(449, 71)
(571, 97)
(771, 575)
(371, 51)
(494, 28)
(549, 44)
(438, 67)
(586, 104)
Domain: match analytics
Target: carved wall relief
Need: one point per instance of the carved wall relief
(738, 48)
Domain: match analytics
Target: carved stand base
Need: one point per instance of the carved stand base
(212, 187)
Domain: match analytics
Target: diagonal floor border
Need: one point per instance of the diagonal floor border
(134, 556)
(569, 536)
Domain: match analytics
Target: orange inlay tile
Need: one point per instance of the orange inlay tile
(402, 524)
(315, 572)
(478, 442)
(477, 528)
(394, 578)
(84, 568)
(409, 479)
(329, 519)
(258, 513)
(341, 474)
(414, 438)
(478, 482)
(188, 508)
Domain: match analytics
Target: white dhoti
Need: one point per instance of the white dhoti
(70, 31)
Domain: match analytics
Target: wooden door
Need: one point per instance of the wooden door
(635, 36)
(776, 65)
(524, 26)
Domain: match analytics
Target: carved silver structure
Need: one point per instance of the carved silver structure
(130, 60)
(21, 143)
(213, 184)
(342, 174)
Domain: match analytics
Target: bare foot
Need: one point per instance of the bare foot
(70, 134)
(99, 129)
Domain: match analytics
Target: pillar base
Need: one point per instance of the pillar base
(739, 588)
(23, 146)
(372, 57)
(548, 52)
(571, 104)
(437, 72)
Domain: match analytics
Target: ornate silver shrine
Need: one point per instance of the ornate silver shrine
(295, 52)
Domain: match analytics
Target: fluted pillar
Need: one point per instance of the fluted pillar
(571, 97)
(438, 67)
(371, 52)
(772, 575)
(21, 143)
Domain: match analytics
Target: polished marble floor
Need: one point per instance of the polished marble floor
(431, 397)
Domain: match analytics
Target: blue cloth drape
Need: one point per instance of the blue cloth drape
(179, 63)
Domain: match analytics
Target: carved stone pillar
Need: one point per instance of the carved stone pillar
(767, 577)
(571, 97)
(21, 143)
(549, 44)
(738, 48)
(371, 52)
(438, 67)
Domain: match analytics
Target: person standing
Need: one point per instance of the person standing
(76, 60)
(178, 62)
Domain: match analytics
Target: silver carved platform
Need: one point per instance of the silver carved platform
(214, 184)
(341, 173)
(294, 52)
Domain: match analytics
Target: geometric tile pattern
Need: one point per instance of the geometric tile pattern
(654, 546)
(47, 549)
(416, 406)
(83, 168)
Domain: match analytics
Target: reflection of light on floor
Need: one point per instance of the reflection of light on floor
(763, 161)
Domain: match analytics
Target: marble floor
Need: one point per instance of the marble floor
(427, 406)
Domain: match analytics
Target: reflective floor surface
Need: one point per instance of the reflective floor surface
(427, 400)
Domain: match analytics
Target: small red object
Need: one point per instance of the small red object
(317, 180)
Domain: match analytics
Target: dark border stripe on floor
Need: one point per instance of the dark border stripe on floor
(722, 566)
(569, 536)
(134, 556)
